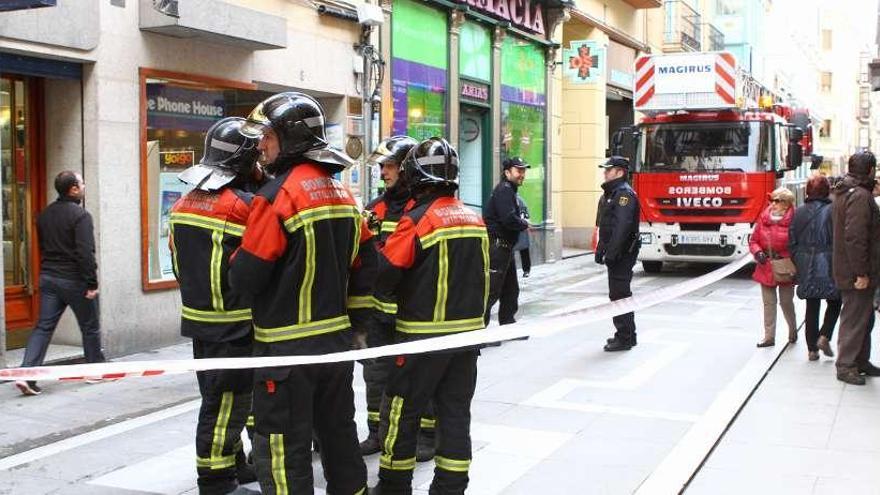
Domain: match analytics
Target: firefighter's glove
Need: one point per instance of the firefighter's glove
(761, 257)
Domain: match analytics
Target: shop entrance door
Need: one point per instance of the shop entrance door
(20, 159)
(475, 175)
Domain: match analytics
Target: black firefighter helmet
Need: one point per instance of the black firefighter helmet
(229, 154)
(433, 162)
(392, 150)
(298, 121)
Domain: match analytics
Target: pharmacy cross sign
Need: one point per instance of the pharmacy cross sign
(583, 62)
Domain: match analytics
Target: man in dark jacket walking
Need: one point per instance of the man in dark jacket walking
(504, 221)
(68, 275)
(856, 266)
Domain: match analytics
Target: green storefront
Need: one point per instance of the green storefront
(477, 74)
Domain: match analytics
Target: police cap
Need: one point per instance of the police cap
(616, 161)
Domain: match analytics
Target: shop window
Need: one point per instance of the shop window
(176, 111)
(523, 116)
(419, 68)
(475, 59)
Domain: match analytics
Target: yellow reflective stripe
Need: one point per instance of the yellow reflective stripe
(450, 326)
(216, 316)
(373, 416)
(305, 217)
(461, 232)
(442, 282)
(486, 263)
(174, 254)
(388, 226)
(305, 291)
(428, 423)
(216, 462)
(216, 263)
(454, 465)
(357, 240)
(221, 425)
(204, 222)
(279, 472)
(393, 427)
(362, 491)
(301, 330)
(370, 302)
(386, 462)
(250, 421)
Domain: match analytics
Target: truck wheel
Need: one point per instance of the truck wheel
(652, 266)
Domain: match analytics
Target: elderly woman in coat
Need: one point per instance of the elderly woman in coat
(810, 242)
(770, 241)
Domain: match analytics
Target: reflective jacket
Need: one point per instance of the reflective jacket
(206, 228)
(387, 210)
(436, 267)
(300, 247)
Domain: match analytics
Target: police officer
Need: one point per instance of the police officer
(383, 214)
(302, 242)
(206, 227)
(435, 266)
(504, 221)
(619, 245)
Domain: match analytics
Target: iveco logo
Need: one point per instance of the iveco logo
(699, 202)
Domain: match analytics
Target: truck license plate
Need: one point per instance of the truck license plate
(699, 239)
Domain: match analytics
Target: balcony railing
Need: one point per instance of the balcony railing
(683, 27)
(714, 41)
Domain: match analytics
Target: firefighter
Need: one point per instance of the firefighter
(619, 245)
(505, 221)
(304, 237)
(384, 213)
(206, 227)
(435, 266)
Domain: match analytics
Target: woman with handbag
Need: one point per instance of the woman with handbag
(810, 242)
(775, 270)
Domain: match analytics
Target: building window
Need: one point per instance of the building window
(826, 40)
(728, 7)
(523, 116)
(475, 45)
(826, 82)
(825, 130)
(419, 68)
(177, 110)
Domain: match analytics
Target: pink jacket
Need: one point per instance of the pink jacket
(770, 236)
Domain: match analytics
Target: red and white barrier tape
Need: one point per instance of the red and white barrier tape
(561, 319)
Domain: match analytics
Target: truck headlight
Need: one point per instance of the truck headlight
(646, 237)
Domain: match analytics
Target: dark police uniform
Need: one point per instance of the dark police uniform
(618, 248)
(504, 221)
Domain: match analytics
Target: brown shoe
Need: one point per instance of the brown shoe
(813, 355)
(792, 337)
(766, 343)
(825, 346)
(850, 376)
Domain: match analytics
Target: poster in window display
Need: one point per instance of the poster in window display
(170, 190)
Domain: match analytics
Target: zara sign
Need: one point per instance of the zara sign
(524, 14)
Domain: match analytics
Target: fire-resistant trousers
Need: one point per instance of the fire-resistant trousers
(226, 404)
(376, 377)
(449, 378)
(291, 402)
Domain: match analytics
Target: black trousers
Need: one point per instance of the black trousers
(291, 402)
(56, 294)
(525, 259)
(620, 274)
(449, 378)
(503, 284)
(811, 321)
(226, 405)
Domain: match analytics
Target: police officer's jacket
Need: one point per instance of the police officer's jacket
(388, 208)
(618, 220)
(436, 267)
(206, 228)
(504, 219)
(301, 244)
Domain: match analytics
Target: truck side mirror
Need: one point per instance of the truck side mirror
(795, 156)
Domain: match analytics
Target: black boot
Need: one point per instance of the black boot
(370, 445)
(426, 446)
(617, 345)
(869, 370)
(244, 471)
(633, 343)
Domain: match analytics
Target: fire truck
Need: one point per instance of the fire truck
(712, 145)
